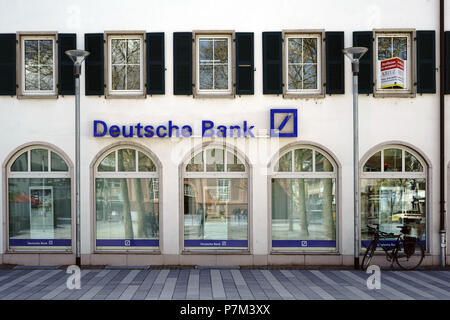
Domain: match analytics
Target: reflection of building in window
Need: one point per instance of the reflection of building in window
(224, 187)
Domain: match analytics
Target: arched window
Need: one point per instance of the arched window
(39, 201)
(126, 200)
(216, 211)
(304, 201)
(393, 192)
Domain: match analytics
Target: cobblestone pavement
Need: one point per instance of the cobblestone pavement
(222, 284)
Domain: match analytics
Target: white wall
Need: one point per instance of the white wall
(326, 121)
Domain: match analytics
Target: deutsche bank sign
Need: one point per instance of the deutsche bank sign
(283, 123)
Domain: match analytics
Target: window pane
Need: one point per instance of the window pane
(127, 209)
(206, 77)
(46, 52)
(285, 163)
(295, 50)
(399, 47)
(39, 160)
(309, 50)
(216, 213)
(215, 160)
(118, 77)
(310, 76)
(384, 48)
(303, 214)
(31, 78)
(322, 163)
(58, 164)
(392, 203)
(108, 163)
(221, 77)
(134, 51)
(21, 163)
(46, 77)
(40, 213)
(392, 160)
(127, 160)
(374, 163)
(303, 160)
(295, 77)
(220, 51)
(118, 51)
(196, 163)
(31, 52)
(145, 163)
(412, 164)
(205, 47)
(133, 77)
(233, 163)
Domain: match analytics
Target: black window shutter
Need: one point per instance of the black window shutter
(426, 61)
(182, 63)
(155, 63)
(94, 65)
(272, 63)
(8, 64)
(66, 81)
(244, 63)
(365, 77)
(447, 65)
(335, 62)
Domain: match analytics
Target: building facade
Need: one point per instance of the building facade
(217, 134)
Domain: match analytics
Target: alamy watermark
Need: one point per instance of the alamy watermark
(374, 280)
(74, 280)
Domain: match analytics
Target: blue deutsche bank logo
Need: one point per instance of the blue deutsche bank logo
(283, 123)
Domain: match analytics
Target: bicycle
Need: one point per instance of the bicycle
(407, 251)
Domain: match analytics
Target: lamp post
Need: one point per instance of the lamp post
(354, 54)
(77, 57)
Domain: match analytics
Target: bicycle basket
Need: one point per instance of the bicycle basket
(409, 244)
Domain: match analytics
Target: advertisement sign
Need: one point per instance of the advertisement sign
(392, 73)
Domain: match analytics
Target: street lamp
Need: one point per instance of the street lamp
(354, 54)
(77, 57)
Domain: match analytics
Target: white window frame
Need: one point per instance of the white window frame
(196, 64)
(410, 90)
(304, 175)
(116, 174)
(319, 34)
(23, 93)
(108, 70)
(399, 175)
(215, 175)
(28, 174)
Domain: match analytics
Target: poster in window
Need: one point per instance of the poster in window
(41, 213)
(392, 73)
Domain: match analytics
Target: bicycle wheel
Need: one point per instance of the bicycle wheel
(368, 255)
(410, 257)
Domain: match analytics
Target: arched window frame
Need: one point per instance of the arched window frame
(217, 175)
(273, 174)
(425, 174)
(28, 174)
(116, 174)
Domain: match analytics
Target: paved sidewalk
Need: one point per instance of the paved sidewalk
(223, 284)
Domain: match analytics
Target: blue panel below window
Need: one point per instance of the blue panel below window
(304, 243)
(40, 242)
(127, 243)
(216, 243)
(388, 243)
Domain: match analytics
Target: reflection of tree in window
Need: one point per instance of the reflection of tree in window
(38, 65)
(125, 64)
(302, 63)
(213, 63)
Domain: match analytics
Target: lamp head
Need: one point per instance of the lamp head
(77, 56)
(354, 53)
